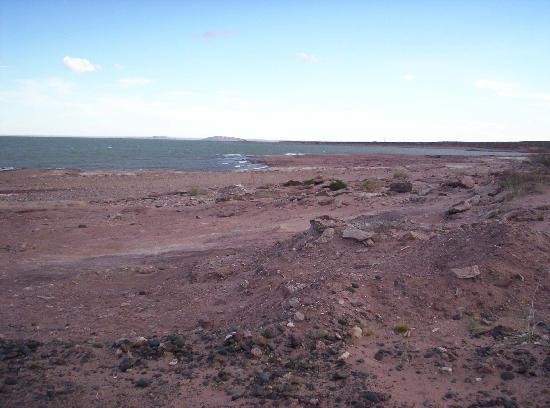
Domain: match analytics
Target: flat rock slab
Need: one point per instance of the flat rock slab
(469, 272)
(356, 234)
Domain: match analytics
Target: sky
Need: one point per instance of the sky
(469, 70)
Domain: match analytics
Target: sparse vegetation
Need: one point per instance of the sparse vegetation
(315, 181)
(402, 328)
(337, 185)
(195, 191)
(523, 182)
(371, 185)
(473, 325)
(400, 175)
(542, 160)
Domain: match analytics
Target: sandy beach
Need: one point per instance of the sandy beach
(337, 280)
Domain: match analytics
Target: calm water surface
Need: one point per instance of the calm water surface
(119, 153)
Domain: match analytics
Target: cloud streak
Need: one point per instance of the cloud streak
(79, 65)
(308, 58)
(215, 35)
(500, 88)
(133, 81)
(510, 89)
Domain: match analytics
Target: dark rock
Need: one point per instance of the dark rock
(270, 332)
(500, 332)
(223, 375)
(375, 397)
(263, 378)
(507, 375)
(401, 187)
(361, 374)
(340, 375)
(124, 364)
(379, 355)
(10, 380)
(142, 383)
(294, 340)
(154, 342)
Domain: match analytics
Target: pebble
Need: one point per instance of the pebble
(446, 370)
(293, 302)
(344, 356)
(507, 375)
(299, 316)
(356, 332)
(256, 352)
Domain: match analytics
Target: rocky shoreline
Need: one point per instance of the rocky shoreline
(352, 280)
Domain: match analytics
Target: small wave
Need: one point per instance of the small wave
(294, 154)
(232, 155)
(7, 168)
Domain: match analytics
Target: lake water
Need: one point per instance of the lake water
(129, 153)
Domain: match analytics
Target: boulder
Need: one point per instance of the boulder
(463, 182)
(233, 192)
(327, 236)
(351, 232)
(325, 200)
(463, 205)
(323, 222)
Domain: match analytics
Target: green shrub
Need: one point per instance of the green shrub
(337, 185)
(401, 328)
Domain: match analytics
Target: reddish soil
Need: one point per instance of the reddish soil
(197, 289)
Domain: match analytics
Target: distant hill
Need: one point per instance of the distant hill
(224, 139)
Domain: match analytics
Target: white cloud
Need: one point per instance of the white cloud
(79, 65)
(302, 56)
(134, 81)
(511, 89)
(118, 67)
(501, 88)
(408, 77)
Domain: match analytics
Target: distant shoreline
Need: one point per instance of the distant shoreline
(521, 146)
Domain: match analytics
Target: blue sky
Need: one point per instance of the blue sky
(311, 70)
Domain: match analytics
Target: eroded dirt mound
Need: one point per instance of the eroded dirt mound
(328, 322)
